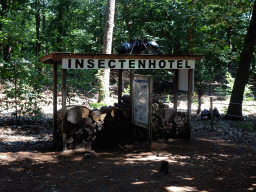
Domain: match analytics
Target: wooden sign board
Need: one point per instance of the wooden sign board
(183, 80)
(88, 63)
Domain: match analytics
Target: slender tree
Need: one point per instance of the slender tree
(37, 17)
(235, 105)
(107, 48)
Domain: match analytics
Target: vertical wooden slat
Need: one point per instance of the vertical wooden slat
(176, 76)
(64, 113)
(55, 79)
(150, 112)
(131, 98)
(131, 91)
(211, 113)
(190, 86)
(120, 71)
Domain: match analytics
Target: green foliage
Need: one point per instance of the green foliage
(185, 27)
(97, 105)
(167, 99)
(126, 91)
(225, 92)
(245, 125)
(82, 79)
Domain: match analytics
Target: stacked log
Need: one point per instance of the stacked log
(166, 123)
(116, 128)
(111, 125)
(75, 128)
(103, 127)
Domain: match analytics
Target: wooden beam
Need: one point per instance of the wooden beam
(120, 71)
(64, 113)
(55, 79)
(57, 57)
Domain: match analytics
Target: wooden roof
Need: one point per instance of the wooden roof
(56, 57)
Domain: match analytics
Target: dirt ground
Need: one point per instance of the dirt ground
(204, 163)
(222, 160)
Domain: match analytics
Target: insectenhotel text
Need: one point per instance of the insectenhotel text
(68, 63)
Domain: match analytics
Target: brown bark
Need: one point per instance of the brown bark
(236, 100)
(5, 46)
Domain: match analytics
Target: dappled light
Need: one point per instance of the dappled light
(204, 163)
(180, 189)
(146, 157)
(196, 165)
(252, 188)
(142, 182)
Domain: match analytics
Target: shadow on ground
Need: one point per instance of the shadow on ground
(201, 164)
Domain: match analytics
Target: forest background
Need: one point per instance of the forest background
(30, 29)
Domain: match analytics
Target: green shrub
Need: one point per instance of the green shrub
(224, 93)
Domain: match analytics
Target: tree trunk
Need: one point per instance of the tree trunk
(37, 17)
(59, 26)
(5, 46)
(235, 105)
(230, 64)
(107, 49)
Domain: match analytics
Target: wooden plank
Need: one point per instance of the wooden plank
(211, 114)
(190, 87)
(150, 112)
(55, 79)
(176, 76)
(64, 112)
(120, 71)
(132, 71)
(131, 91)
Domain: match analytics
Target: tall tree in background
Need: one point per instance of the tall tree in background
(235, 105)
(107, 49)
(38, 19)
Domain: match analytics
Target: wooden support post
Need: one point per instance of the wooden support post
(176, 76)
(190, 86)
(64, 113)
(211, 114)
(131, 93)
(120, 71)
(131, 97)
(55, 79)
(150, 112)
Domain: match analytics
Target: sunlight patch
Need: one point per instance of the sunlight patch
(188, 178)
(148, 158)
(180, 189)
(142, 182)
(252, 188)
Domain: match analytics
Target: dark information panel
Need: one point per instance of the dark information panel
(142, 100)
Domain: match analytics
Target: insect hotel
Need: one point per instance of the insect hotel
(117, 124)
